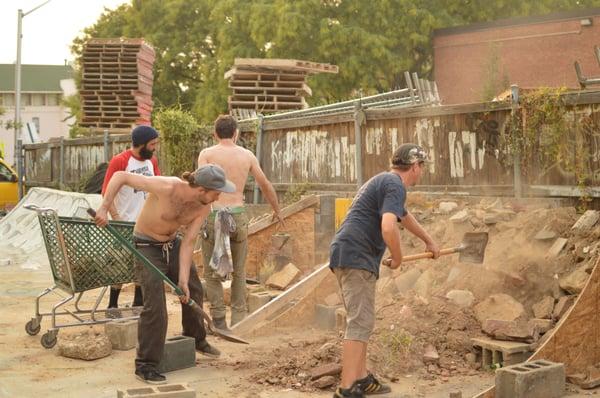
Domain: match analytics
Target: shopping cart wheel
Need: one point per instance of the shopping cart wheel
(31, 328)
(49, 339)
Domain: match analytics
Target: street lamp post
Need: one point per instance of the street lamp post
(17, 124)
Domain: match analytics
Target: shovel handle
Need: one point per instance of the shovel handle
(419, 256)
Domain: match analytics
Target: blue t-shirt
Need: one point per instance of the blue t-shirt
(359, 242)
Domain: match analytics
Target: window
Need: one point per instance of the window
(25, 99)
(5, 174)
(37, 100)
(8, 99)
(52, 99)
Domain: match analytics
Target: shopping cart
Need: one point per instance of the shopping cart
(82, 257)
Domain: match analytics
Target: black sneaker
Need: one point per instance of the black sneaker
(351, 392)
(371, 386)
(208, 350)
(150, 375)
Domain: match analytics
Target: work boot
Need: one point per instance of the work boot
(371, 386)
(150, 375)
(221, 324)
(352, 392)
(208, 350)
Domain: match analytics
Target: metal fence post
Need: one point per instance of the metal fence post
(259, 134)
(359, 119)
(20, 167)
(61, 164)
(518, 188)
(106, 150)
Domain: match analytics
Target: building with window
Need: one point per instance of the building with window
(42, 89)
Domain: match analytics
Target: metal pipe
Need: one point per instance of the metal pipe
(259, 134)
(358, 119)
(17, 126)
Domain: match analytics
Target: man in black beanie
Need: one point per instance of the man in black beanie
(128, 203)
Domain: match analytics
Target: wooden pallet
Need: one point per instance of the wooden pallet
(288, 64)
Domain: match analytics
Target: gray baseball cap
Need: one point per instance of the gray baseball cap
(407, 154)
(212, 176)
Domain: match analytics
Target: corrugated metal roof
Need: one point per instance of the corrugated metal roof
(34, 78)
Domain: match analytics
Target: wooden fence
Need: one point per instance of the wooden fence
(465, 143)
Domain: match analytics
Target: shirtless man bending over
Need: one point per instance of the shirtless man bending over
(172, 203)
(237, 162)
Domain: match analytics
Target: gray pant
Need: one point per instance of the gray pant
(152, 325)
(214, 286)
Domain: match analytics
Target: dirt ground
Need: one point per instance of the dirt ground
(278, 362)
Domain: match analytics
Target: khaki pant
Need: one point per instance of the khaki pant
(358, 293)
(152, 325)
(214, 285)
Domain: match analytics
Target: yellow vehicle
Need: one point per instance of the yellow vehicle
(9, 194)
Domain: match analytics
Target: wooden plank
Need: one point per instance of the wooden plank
(296, 292)
(266, 222)
(575, 341)
(293, 64)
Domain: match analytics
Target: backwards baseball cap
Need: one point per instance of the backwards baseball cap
(141, 135)
(211, 176)
(408, 154)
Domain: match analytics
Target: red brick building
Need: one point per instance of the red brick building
(474, 61)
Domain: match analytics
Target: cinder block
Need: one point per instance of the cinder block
(163, 391)
(122, 334)
(179, 353)
(325, 316)
(257, 300)
(340, 319)
(536, 379)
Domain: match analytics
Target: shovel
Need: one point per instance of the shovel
(219, 332)
(471, 250)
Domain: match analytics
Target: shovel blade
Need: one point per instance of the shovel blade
(472, 248)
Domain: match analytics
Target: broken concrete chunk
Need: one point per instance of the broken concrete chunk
(447, 207)
(453, 274)
(545, 234)
(324, 382)
(499, 306)
(543, 308)
(405, 281)
(431, 355)
(491, 218)
(333, 299)
(575, 281)
(329, 369)
(87, 345)
(557, 247)
(542, 325)
(586, 221)
(462, 298)
(563, 305)
(423, 284)
(511, 330)
(282, 279)
(460, 217)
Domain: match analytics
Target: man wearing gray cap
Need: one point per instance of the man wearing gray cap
(172, 203)
(356, 252)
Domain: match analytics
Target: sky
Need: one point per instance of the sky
(48, 31)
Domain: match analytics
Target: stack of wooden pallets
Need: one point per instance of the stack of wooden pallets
(116, 86)
(270, 85)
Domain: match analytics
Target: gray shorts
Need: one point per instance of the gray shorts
(358, 292)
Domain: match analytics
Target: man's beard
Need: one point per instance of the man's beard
(146, 153)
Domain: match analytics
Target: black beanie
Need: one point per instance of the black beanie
(143, 134)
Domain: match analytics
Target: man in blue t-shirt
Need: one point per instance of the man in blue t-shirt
(356, 252)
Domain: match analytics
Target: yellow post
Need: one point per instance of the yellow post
(341, 208)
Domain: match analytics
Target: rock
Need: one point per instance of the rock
(447, 207)
(471, 358)
(545, 234)
(557, 247)
(423, 284)
(460, 217)
(511, 330)
(386, 286)
(499, 306)
(227, 292)
(543, 308)
(586, 221)
(329, 369)
(453, 274)
(87, 345)
(431, 355)
(563, 305)
(496, 204)
(504, 214)
(432, 368)
(575, 281)
(405, 313)
(405, 281)
(333, 299)
(462, 298)
(282, 279)
(543, 325)
(324, 382)
(491, 218)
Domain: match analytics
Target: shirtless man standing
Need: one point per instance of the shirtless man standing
(237, 162)
(172, 203)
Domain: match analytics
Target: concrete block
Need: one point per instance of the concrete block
(536, 379)
(282, 279)
(505, 353)
(586, 221)
(557, 247)
(257, 300)
(325, 316)
(122, 334)
(340, 319)
(179, 353)
(162, 391)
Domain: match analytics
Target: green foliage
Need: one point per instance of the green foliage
(373, 42)
(294, 193)
(180, 140)
(73, 103)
